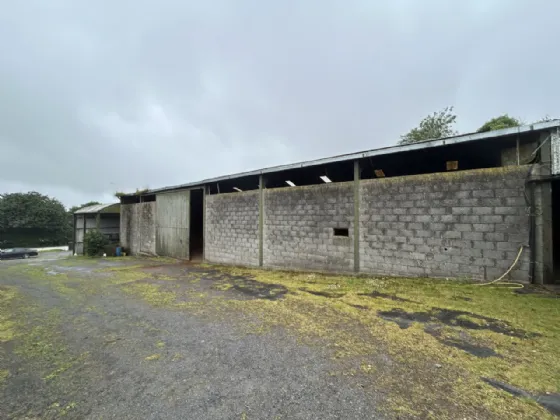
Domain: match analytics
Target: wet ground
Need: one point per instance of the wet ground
(100, 353)
(153, 338)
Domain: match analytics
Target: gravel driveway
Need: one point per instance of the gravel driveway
(77, 346)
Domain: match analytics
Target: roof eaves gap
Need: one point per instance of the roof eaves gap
(462, 138)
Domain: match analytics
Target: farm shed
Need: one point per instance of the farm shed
(467, 206)
(104, 217)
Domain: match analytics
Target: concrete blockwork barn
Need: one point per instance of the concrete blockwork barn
(465, 206)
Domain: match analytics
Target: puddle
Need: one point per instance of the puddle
(242, 284)
(549, 401)
(462, 341)
(215, 281)
(404, 319)
(454, 318)
(376, 294)
(260, 290)
(323, 293)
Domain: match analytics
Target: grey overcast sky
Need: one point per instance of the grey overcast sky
(107, 95)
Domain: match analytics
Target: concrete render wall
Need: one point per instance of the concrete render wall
(231, 228)
(172, 224)
(459, 224)
(298, 227)
(138, 228)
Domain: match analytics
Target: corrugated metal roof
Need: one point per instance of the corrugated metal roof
(370, 153)
(100, 208)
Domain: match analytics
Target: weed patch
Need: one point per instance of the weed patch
(467, 331)
(423, 343)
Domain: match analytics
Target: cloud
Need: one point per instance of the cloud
(103, 96)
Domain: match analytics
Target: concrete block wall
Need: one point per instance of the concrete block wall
(138, 228)
(231, 228)
(458, 224)
(454, 224)
(299, 223)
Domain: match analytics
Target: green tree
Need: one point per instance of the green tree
(31, 210)
(33, 217)
(503, 121)
(434, 126)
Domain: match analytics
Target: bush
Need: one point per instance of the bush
(498, 123)
(94, 243)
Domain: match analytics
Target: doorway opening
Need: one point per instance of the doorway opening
(556, 231)
(196, 225)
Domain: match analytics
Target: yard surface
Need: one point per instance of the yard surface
(156, 339)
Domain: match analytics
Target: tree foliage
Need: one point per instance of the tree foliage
(32, 219)
(498, 123)
(94, 242)
(31, 211)
(434, 126)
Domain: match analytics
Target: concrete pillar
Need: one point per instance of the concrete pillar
(75, 240)
(84, 215)
(542, 212)
(543, 233)
(356, 216)
(204, 194)
(261, 220)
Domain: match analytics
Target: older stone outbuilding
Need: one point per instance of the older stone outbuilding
(473, 206)
(103, 217)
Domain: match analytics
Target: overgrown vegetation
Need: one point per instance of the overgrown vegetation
(74, 209)
(7, 325)
(440, 124)
(94, 242)
(138, 191)
(498, 123)
(434, 126)
(424, 344)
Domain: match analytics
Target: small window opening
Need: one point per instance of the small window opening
(340, 232)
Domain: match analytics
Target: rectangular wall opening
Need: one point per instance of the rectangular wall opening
(556, 230)
(196, 225)
(341, 232)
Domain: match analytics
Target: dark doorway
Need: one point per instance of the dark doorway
(196, 225)
(556, 230)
